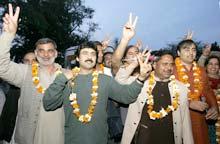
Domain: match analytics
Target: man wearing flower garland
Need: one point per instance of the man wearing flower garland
(202, 102)
(84, 93)
(160, 114)
(34, 125)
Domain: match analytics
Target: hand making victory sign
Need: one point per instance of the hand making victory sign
(129, 28)
(10, 20)
(145, 66)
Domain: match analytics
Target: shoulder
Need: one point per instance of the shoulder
(105, 77)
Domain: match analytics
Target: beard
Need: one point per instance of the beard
(46, 62)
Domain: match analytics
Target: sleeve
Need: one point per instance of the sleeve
(123, 75)
(124, 93)
(186, 120)
(53, 97)
(9, 71)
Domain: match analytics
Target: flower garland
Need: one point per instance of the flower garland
(150, 101)
(101, 68)
(36, 79)
(86, 118)
(182, 76)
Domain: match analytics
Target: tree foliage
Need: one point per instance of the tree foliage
(60, 20)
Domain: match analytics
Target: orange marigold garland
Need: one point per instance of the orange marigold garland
(36, 79)
(183, 77)
(86, 118)
(150, 101)
(101, 68)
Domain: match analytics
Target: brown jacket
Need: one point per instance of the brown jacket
(199, 125)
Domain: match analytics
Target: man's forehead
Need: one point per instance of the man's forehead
(46, 46)
(88, 49)
(187, 46)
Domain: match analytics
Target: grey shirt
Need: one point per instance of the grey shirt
(96, 131)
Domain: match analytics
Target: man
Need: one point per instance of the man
(202, 101)
(84, 93)
(9, 114)
(149, 120)
(34, 125)
(107, 59)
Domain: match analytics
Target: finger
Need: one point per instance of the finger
(17, 11)
(128, 26)
(212, 114)
(192, 32)
(148, 56)
(144, 52)
(135, 22)
(10, 9)
(130, 18)
(139, 59)
(5, 20)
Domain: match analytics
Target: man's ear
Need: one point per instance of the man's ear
(77, 59)
(178, 53)
(56, 53)
(35, 52)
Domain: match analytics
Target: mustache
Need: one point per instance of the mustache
(89, 60)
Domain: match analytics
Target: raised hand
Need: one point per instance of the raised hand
(139, 44)
(105, 42)
(129, 28)
(145, 66)
(189, 35)
(10, 20)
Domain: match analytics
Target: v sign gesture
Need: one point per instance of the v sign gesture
(10, 20)
(189, 35)
(129, 28)
(145, 66)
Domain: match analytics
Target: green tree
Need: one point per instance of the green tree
(60, 20)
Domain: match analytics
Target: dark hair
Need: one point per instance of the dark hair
(212, 57)
(127, 49)
(89, 44)
(96, 43)
(185, 43)
(161, 53)
(45, 41)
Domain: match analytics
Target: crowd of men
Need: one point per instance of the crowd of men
(124, 96)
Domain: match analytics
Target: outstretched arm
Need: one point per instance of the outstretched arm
(128, 33)
(128, 93)
(10, 71)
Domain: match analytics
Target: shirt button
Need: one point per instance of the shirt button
(135, 123)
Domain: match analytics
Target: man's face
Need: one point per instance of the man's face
(87, 58)
(29, 58)
(108, 60)
(213, 66)
(164, 67)
(131, 54)
(46, 54)
(187, 54)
